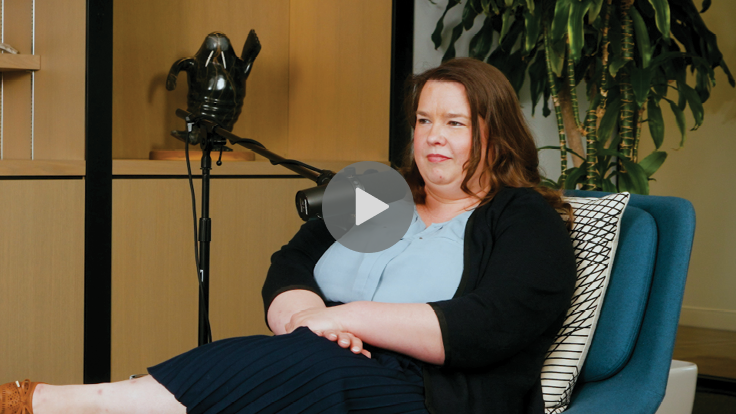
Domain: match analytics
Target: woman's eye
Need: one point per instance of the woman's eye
(422, 121)
(455, 123)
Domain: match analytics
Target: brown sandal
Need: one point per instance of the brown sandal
(17, 397)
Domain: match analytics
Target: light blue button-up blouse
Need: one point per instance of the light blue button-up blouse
(424, 266)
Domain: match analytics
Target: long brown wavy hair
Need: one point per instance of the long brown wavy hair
(511, 154)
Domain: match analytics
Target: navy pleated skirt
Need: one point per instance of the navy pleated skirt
(295, 373)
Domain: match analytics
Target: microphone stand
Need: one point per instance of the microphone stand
(212, 137)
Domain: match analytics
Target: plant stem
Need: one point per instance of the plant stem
(628, 105)
(639, 122)
(593, 118)
(558, 111)
(605, 43)
(571, 83)
(573, 134)
(568, 98)
(592, 176)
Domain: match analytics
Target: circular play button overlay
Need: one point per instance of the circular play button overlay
(367, 207)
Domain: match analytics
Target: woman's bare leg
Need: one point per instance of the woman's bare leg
(139, 396)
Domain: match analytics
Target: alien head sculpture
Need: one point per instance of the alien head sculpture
(216, 77)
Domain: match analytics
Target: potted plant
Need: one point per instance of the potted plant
(633, 57)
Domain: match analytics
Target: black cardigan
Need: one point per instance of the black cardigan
(518, 278)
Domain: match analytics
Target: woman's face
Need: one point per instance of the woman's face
(443, 136)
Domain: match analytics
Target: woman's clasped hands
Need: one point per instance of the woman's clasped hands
(326, 322)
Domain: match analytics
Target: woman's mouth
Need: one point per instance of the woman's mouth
(437, 158)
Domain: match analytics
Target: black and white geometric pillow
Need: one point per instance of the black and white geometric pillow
(594, 237)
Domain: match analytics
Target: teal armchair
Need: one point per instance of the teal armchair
(628, 363)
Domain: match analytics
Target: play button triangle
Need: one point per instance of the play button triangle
(367, 206)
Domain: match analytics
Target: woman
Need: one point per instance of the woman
(457, 317)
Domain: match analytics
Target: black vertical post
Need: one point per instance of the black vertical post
(98, 193)
(205, 236)
(402, 62)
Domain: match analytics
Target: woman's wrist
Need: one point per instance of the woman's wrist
(288, 303)
(353, 316)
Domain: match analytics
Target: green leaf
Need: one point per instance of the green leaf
(665, 57)
(470, 12)
(575, 22)
(696, 106)
(559, 21)
(611, 152)
(659, 82)
(437, 34)
(547, 93)
(702, 85)
(507, 44)
(652, 162)
(594, 10)
(485, 5)
(655, 122)
(662, 17)
(705, 40)
(685, 35)
(557, 56)
(680, 118)
(508, 20)
(608, 186)
(608, 123)
(550, 184)
(723, 66)
(494, 6)
(515, 70)
(456, 33)
(509, 3)
(635, 180)
(575, 176)
(530, 5)
(533, 24)
(706, 6)
(641, 82)
(481, 43)
(616, 59)
(642, 37)
(537, 78)
(557, 147)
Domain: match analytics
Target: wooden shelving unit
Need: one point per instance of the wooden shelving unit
(249, 168)
(41, 168)
(13, 63)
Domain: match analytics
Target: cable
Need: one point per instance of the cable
(196, 241)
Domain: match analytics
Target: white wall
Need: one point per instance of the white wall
(701, 172)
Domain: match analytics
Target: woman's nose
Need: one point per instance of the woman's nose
(436, 135)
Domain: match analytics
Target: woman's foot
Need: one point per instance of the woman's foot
(17, 397)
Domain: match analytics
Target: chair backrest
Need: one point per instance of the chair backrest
(628, 363)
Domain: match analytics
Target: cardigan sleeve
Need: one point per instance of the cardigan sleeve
(292, 267)
(523, 289)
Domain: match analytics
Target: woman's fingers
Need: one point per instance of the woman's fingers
(346, 340)
(353, 342)
(356, 344)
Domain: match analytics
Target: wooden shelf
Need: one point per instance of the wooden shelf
(28, 168)
(251, 168)
(15, 168)
(12, 63)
